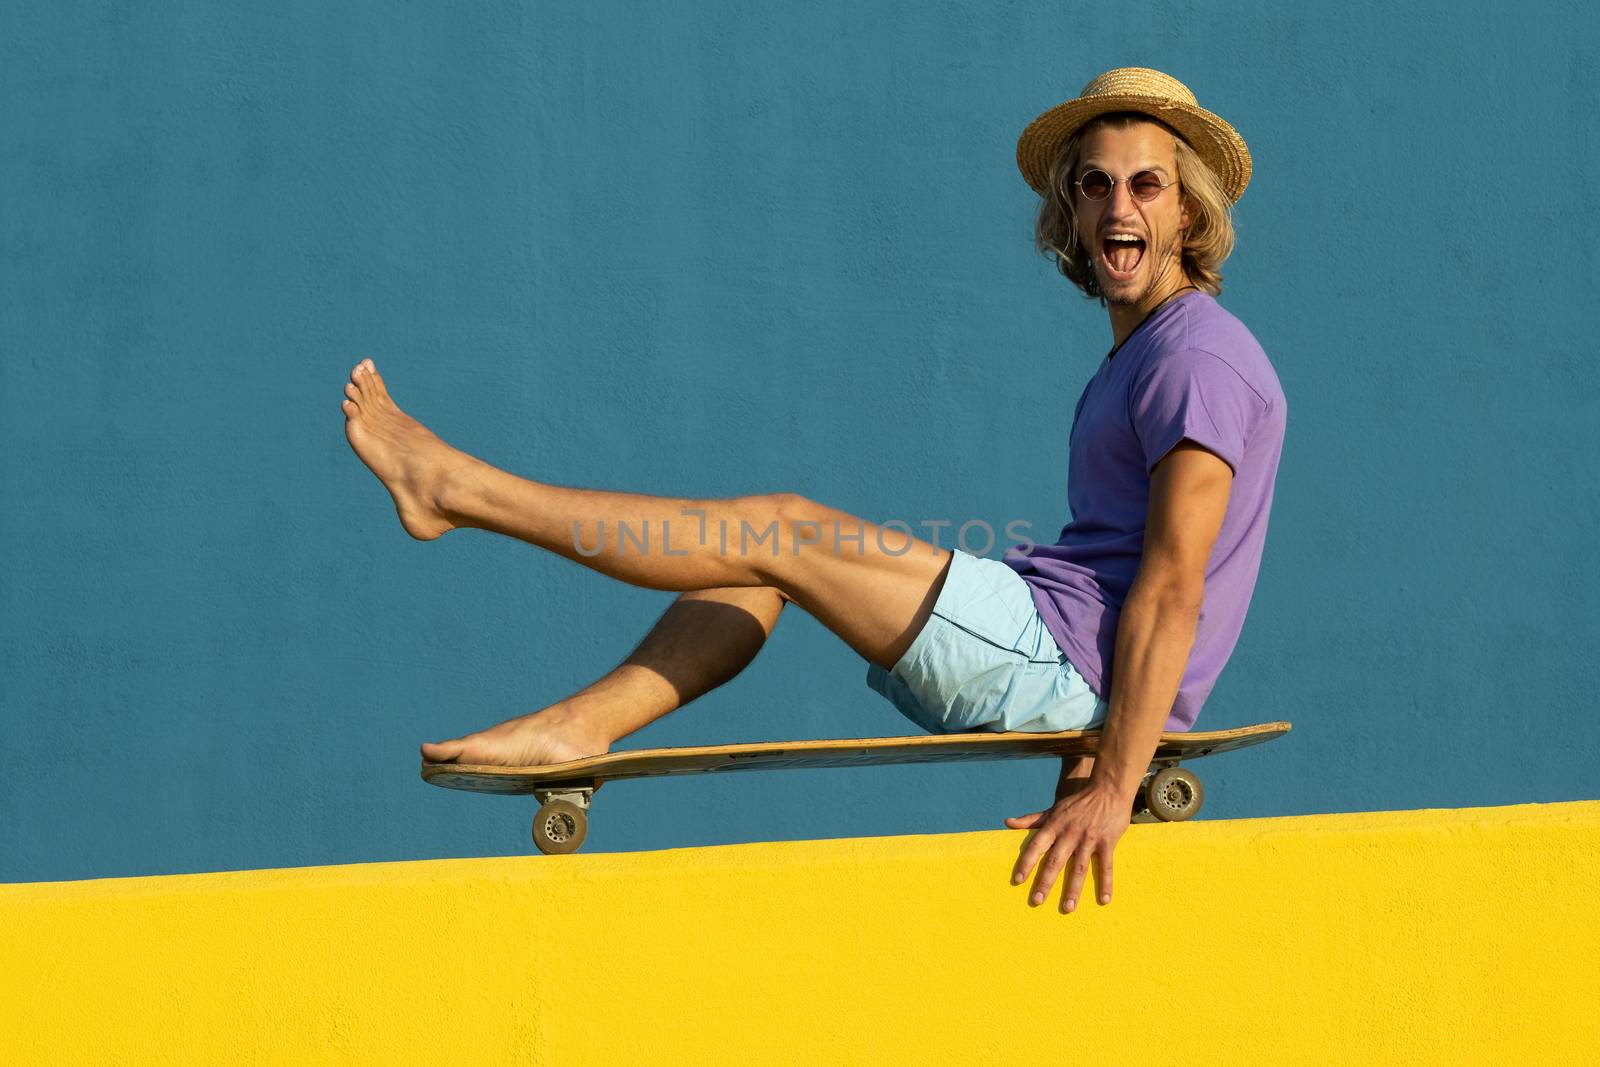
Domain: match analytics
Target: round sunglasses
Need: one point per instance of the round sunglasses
(1145, 186)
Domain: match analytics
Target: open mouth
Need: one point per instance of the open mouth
(1121, 257)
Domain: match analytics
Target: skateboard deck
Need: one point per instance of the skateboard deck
(1169, 793)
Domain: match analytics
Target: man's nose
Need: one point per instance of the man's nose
(1121, 202)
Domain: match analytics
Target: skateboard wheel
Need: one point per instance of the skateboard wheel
(560, 827)
(1174, 795)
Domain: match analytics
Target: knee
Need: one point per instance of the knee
(771, 529)
(769, 509)
(790, 508)
(802, 522)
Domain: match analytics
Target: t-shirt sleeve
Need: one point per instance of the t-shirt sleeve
(1195, 395)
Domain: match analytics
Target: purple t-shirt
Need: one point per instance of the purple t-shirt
(1191, 370)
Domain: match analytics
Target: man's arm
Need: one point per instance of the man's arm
(1188, 497)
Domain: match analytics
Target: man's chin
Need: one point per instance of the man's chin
(1115, 290)
(1122, 294)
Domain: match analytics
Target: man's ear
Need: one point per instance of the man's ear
(1185, 216)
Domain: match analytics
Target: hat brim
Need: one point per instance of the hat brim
(1213, 139)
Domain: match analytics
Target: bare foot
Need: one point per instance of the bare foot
(554, 735)
(408, 459)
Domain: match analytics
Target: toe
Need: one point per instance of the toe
(441, 751)
(366, 380)
(374, 381)
(351, 391)
(350, 408)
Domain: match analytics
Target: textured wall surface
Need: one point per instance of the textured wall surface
(712, 248)
(1395, 937)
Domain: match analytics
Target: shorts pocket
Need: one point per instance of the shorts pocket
(981, 699)
(987, 600)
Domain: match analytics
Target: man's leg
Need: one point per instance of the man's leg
(871, 586)
(703, 640)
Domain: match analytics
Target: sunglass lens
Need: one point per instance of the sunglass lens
(1146, 185)
(1096, 185)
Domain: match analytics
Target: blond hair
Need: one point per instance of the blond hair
(1206, 243)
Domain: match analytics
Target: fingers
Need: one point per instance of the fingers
(1071, 856)
(1054, 860)
(1080, 871)
(1066, 851)
(1032, 849)
(1077, 830)
(1054, 850)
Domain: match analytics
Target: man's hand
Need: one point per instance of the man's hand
(1086, 822)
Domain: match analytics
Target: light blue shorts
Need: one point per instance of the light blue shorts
(985, 661)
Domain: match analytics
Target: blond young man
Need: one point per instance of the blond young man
(1173, 451)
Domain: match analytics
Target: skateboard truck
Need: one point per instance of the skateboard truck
(563, 818)
(1169, 793)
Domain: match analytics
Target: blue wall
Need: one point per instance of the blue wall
(706, 249)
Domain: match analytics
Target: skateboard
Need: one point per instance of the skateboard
(1168, 793)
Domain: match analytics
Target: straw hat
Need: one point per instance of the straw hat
(1149, 92)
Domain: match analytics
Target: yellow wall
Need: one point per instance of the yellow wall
(1454, 937)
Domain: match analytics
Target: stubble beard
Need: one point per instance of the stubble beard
(1131, 294)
